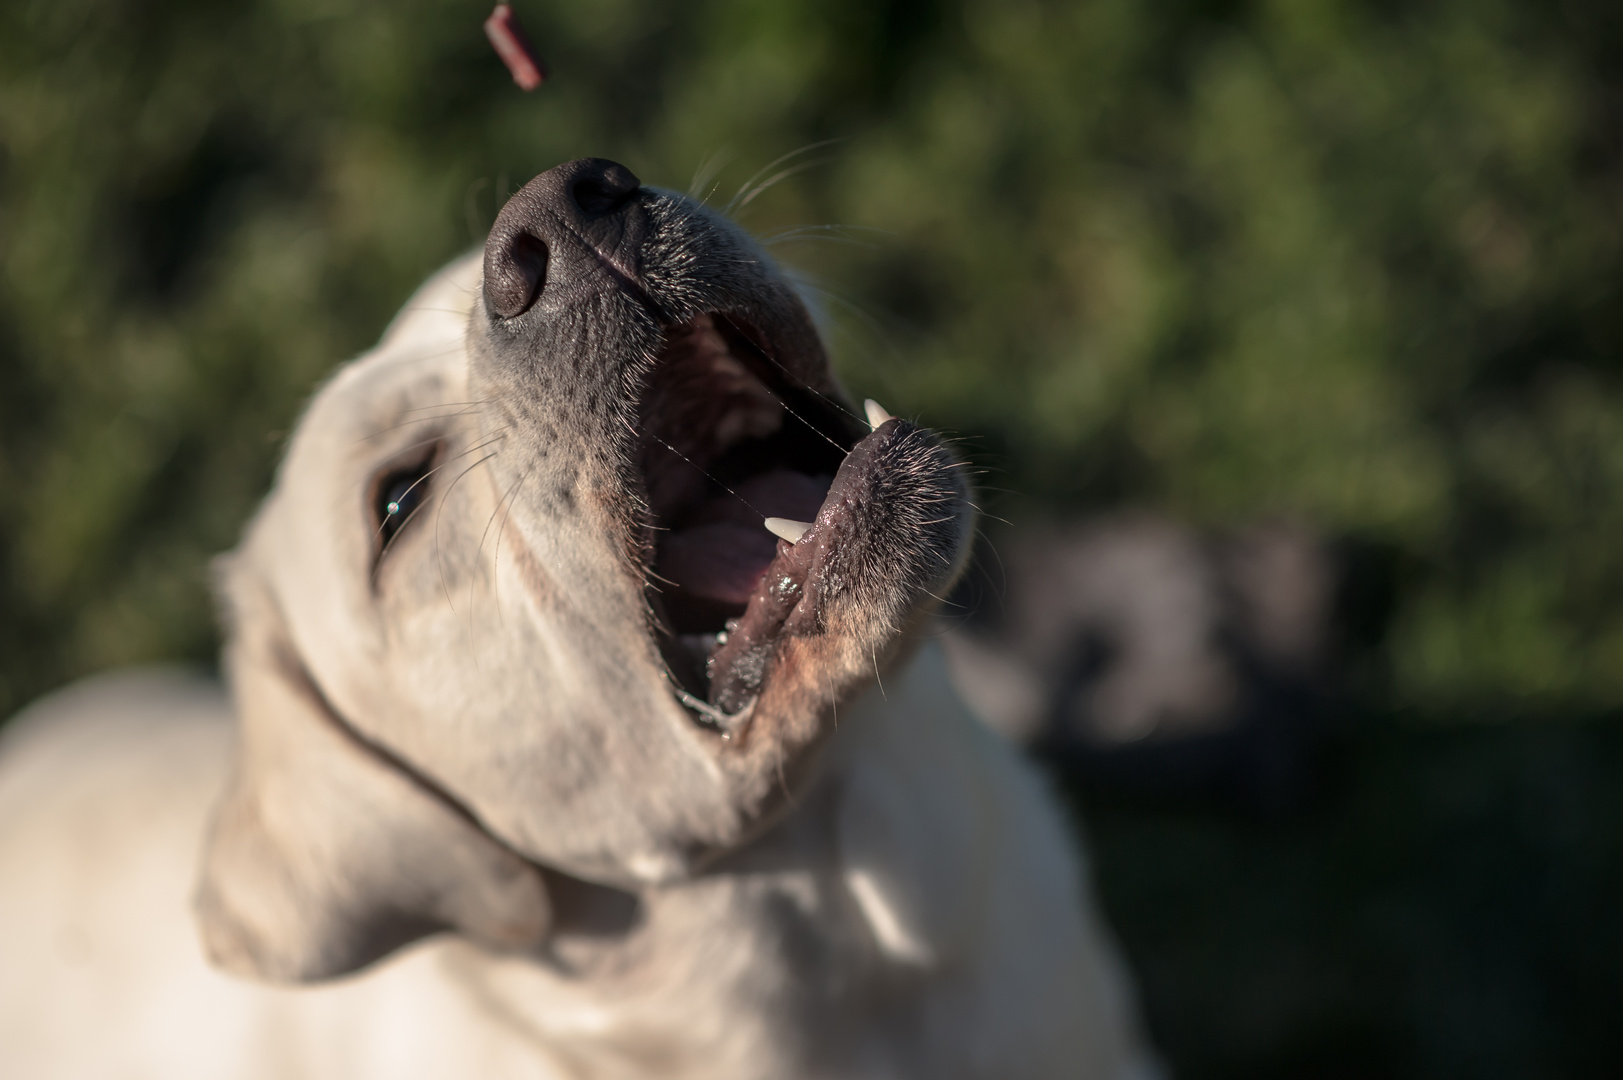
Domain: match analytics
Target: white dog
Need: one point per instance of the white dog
(512, 656)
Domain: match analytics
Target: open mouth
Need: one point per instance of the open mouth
(728, 441)
(784, 548)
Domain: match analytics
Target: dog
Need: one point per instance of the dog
(543, 756)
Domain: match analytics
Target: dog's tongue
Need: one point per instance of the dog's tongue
(725, 549)
(718, 562)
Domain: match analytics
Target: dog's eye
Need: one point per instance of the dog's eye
(400, 493)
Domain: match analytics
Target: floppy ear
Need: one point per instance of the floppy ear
(325, 853)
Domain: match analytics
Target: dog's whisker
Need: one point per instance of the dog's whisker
(709, 476)
(439, 554)
(822, 232)
(794, 381)
(773, 164)
(483, 536)
(419, 482)
(446, 405)
(495, 562)
(377, 563)
(496, 577)
(799, 238)
(819, 432)
(470, 208)
(463, 409)
(780, 177)
(876, 331)
(706, 173)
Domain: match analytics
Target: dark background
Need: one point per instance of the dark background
(1358, 265)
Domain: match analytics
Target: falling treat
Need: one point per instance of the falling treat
(514, 48)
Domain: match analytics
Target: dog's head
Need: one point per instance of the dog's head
(511, 603)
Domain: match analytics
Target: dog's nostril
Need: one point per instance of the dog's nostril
(514, 277)
(536, 241)
(603, 189)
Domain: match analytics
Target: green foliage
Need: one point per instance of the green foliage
(1352, 262)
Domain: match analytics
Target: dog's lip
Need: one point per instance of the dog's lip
(729, 438)
(788, 596)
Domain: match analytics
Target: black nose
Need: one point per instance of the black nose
(601, 187)
(579, 202)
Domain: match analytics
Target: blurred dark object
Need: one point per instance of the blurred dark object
(1139, 653)
(1443, 908)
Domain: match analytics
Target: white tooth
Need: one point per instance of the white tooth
(876, 413)
(789, 530)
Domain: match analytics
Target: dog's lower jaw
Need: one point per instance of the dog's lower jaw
(892, 530)
(835, 608)
(779, 753)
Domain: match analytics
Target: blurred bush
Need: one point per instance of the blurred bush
(1356, 264)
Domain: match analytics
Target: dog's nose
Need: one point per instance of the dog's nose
(580, 203)
(600, 187)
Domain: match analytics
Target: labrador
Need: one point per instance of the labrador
(584, 721)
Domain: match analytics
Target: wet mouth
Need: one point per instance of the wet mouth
(740, 465)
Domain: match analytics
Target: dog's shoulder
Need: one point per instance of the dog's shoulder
(104, 788)
(113, 772)
(98, 728)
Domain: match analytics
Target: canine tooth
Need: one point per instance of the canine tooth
(876, 413)
(786, 528)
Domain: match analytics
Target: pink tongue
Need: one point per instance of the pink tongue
(720, 562)
(725, 550)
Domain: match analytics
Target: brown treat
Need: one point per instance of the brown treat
(514, 48)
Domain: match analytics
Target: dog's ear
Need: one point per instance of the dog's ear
(325, 853)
